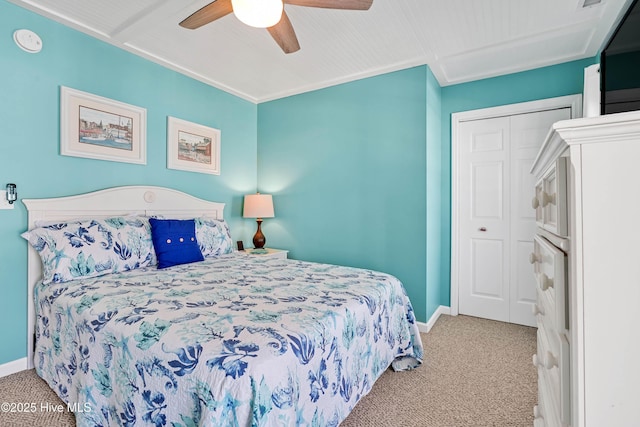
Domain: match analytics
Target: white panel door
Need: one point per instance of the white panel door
(527, 132)
(496, 221)
(484, 218)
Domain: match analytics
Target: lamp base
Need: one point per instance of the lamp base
(258, 239)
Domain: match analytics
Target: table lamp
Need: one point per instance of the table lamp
(258, 206)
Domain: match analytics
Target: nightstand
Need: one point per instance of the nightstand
(267, 253)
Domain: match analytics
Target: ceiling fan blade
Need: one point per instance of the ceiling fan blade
(208, 13)
(284, 35)
(333, 4)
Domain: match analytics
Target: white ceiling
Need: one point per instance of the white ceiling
(461, 40)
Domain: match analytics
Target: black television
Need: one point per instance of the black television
(620, 65)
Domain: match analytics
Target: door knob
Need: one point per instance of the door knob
(482, 229)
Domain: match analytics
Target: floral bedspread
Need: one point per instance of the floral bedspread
(232, 341)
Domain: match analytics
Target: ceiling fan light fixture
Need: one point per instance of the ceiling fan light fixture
(258, 13)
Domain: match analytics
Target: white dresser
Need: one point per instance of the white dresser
(587, 261)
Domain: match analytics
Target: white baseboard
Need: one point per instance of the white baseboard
(13, 367)
(426, 327)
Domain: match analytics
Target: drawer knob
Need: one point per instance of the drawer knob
(537, 413)
(535, 203)
(550, 361)
(545, 282)
(533, 258)
(534, 359)
(536, 309)
(547, 198)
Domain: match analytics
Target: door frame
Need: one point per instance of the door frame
(574, 102)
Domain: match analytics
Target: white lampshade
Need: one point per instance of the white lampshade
(258, 206)
(258, 13)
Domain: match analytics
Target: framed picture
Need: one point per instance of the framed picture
(100, 128)
(192, 147)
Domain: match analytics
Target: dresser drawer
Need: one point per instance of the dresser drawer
(550, 199)
(553, 376)
(545, 309)
(550, 268)
(545, 413)
(548, 364)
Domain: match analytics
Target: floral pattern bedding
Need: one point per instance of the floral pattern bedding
(231, 341)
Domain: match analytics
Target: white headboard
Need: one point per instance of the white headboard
(141, 200)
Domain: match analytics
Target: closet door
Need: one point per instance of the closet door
(496, 221)
(527, 132)
(484, 218)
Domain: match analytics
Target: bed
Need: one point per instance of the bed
(230, 340)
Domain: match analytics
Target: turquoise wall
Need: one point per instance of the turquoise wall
(437, 261)
(29, 139)
(346, 166)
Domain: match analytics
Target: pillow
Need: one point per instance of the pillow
(174, 241)
(87, 248)
(213, 236)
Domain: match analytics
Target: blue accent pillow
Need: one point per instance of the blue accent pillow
(174, 241)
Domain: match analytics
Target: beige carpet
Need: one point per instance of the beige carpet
(476, 373)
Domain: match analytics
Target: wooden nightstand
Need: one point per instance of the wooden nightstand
(270, 253)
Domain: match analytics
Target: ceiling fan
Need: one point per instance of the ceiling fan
(269, 14)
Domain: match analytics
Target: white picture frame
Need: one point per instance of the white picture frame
(192, 147)
(95, 127)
